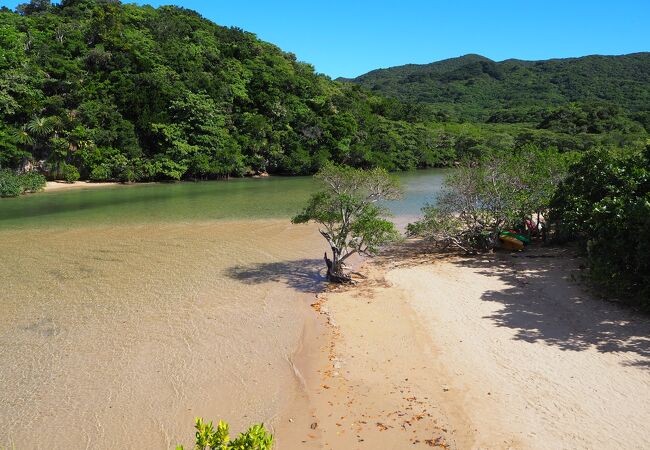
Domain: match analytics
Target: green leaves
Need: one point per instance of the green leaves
(256, 438)
(473, 88)
(605, 203)
(364, 186)
(177, 94)
(183, 98)
(70, 173)
(322, 207)
(479, 201)
(370, 231)
(207, 437)
(197, 139)
(347, 211)
(12, 184)
(40, 126)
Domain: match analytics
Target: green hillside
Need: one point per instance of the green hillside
(102, 90)
(475, 88)
(117, 91)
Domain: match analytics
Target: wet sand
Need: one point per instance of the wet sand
(493, 352)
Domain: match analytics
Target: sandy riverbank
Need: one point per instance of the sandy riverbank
(63, 186)
(494, 352)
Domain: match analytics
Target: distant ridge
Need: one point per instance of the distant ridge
(436, 66)
(474, 87)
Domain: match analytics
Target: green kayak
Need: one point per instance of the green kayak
(523, 239)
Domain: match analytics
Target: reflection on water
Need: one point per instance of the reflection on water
(237, 199)
(159, 202)
(128, 311)
(420, 188)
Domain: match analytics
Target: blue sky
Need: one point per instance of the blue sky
(348, 38)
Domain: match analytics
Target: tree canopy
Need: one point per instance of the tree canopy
(605, 204)
(348, 213)
(501, 192)
(475, 88)
(124, 92)
(127, 92)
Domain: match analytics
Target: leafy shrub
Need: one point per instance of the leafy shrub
(32, 181)
(207, 437)
(10, 184)
(70, 173)
(100, 173)
(13, 184)
(605, 204)
(127, 170)
(480, 201)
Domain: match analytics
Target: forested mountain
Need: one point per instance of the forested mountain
(130, 92)
(473, 87)
(112, 91)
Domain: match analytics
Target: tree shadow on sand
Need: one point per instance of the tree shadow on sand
(544, 303)
(304, 275)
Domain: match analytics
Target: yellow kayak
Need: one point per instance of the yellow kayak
(511, 243)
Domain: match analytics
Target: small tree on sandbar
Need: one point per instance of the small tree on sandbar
(348, 213)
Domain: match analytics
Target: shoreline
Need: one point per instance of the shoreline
(56, 186)
(424, 349)
(59, 185)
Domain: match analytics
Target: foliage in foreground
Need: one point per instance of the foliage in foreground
(13, 184)
(207, 437)
(605, 204)
(350, 218)
(479, 201)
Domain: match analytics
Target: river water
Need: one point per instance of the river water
(125, 312)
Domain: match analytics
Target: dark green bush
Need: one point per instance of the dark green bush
(13, 184)
(605, 204)
(100, 173)
(10, 184)
(70, 173)
(32, 181)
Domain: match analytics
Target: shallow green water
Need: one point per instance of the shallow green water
(129, 310)
(237, 199)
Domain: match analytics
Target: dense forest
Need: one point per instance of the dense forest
(475, 88)
(105, 90)
(102, 90)
(476, 105)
